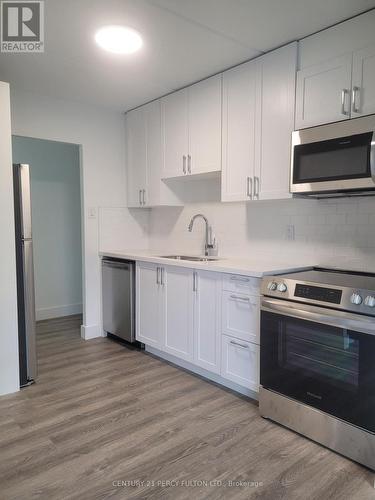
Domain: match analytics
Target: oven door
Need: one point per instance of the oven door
(321, 357)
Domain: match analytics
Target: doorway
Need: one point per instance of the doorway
(56, 206)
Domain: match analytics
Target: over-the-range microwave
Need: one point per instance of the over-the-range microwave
(334, 160)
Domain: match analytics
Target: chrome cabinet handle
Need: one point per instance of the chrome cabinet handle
(144, 197)
(344, 92)
(256, 187)
(184, 164)
(157, 276)
(140, 196)
(249, 187)
(189, 164)
(239, 278)
(162, 276)
(244, 346)
(237, 297)
(195, 282)
(355, 93)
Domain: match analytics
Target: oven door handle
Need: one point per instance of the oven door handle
(339, 319)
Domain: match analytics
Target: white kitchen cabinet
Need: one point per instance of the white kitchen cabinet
(363, 82)
(191, 122)
(175, 116)
(207, 308)
(258, 118)
(240, 316)
(145, 158)
(149, 305)
(240, 362)
(239, 122)
(205, 126)
(177, 284)
(323, 92)
(136, 150)
(275, 123)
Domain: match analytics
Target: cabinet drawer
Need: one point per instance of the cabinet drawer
(240, 316)
(240, 362)
(241, 284)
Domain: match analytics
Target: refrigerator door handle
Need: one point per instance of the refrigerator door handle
(25, 200)
(29, 297)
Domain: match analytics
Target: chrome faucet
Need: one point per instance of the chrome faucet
(209, 245)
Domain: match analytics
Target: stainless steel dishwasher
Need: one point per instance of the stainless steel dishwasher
(118, 278)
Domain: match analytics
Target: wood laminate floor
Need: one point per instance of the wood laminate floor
(107, 422)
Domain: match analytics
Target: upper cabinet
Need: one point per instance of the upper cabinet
(258, 118)
(191, 123)
(336, 77)
(145, 158)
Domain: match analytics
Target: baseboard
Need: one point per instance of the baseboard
(218, 379)
(91, 332)
(58, 311)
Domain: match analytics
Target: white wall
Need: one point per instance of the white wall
(9, 374)
(56, 212)
(340, 232)
(101, 135)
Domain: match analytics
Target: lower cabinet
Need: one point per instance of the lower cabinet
(178, 311)
(187, 313)
(240, 362)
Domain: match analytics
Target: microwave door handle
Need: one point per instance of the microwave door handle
(339, 319)
(372, 156)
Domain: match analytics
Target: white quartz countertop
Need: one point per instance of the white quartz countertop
(255, 267)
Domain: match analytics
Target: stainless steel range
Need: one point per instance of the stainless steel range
(317, 358)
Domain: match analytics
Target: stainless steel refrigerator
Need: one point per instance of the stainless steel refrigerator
(25, 274)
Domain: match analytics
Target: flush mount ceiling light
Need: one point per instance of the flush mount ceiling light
(118, 39)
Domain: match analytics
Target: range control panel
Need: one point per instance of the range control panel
(331, 295)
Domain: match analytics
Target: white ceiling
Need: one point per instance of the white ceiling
(185, 41)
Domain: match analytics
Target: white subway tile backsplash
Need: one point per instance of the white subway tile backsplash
(325, 231)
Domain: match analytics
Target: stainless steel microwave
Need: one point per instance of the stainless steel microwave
(334, 160)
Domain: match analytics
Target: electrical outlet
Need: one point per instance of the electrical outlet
(91, 213)
(290, 232)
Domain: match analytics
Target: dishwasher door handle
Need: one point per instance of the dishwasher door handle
(116, 265)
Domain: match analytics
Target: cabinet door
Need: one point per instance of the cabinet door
(136, 156)
(240, 362)
(239, 97)
(154, 152)
(175, 133)
(148, 306)
(323, 92)
(363, 97)
(205, 126)
(207, 308)
(240, 316)
(178, 311)
(275, 123)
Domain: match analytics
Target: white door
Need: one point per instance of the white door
(323, 92)
(207, 297)
(205, 126)
(175, 133)
(154, 152)
(149, 305)
(363, 97)
(136, 156)
(178, 311)
(238, 146)
(240, 362)
(275, 123)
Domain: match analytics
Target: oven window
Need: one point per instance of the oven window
(321, 352)
(335, 159)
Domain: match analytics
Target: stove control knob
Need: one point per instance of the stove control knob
(370, 301)
(272, 285)
(281, 287)
(356, 299)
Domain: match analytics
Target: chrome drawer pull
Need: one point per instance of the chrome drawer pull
(244, 346)
(236, 297)
(239, 278)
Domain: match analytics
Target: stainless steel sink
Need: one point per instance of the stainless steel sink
(189, 257)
